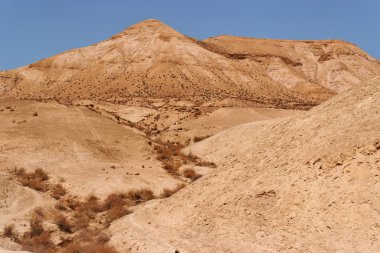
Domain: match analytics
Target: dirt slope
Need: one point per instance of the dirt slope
(304, 184)
(219, 120)
(148, 60)
(311, 67)
(86, 152)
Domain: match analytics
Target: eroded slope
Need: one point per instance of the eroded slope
(308, 183)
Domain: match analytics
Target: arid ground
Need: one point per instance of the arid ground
(153, 141)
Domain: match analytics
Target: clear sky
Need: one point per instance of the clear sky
(31, 30)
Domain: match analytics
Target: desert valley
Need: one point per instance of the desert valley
(153, 141)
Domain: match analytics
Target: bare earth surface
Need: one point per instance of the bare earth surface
(310, 67)
(214, 131)
(88, 153)
(304, 184)
(152, 60)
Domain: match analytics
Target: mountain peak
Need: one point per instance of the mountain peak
(149, 27)
(150, 23)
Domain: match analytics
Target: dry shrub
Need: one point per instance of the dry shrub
(9, 231)
(81, 221)
(94, 204)
(40, 243)
(38, 211)
(140, 195)
(172, 167)
(35, 180)
(200, 138)
(115, 213)
(37, 239)
(190, 158)
(36, 227)
(115, 200)
(40, 174)
(166, 193)
(166, 150)
(63, 224)
(103, 238)
(34, 184)
(60, 206)
(190, 173)
(73, 203)
(58, 191)
(206, 164)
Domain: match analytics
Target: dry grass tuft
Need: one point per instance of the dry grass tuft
(63, 224)
(166, 193)
(190, 173)
(35, 180)
(9, 231)
(36, 227)
(37, 239)
(172, 167)
(206, 164)
(140, 195)
(115, 200)
(200, 138)
(116, 213)
(58, 191)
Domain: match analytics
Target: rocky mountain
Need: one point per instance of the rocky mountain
(152, 60)
(147, 60)
(331, 64)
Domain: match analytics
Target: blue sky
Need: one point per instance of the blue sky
(31, 30)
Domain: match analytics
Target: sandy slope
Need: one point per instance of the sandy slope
(86, 151)
(16, 205)
(149, 60)
(304, 184)
(311, 67)
(221, 119)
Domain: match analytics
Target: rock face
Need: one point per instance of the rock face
(151, 60)
(305, 183)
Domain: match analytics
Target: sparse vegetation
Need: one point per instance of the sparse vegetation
(35, 180)
(166, 193)
(190, 173)
(172, 158)
(206, 164)
(200, 138)
(9, 231)
(74, 216)
(63, 224)
(58, 191)
(37, 239)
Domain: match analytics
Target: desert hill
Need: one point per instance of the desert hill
(315, 188)
(147, 60)
(152, 141)
(310, 67)
(150, 60)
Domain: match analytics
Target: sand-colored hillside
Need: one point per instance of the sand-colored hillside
(311, 67)
(304, 184)
(86, 152)
(219, 120)
(147, 60)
